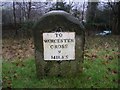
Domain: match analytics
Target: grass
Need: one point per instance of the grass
(100, 69)
(18, 74)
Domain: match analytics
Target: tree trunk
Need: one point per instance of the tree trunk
(20, 18)
(115, 20)
(83, 10)
(119, 17)
(24, 11)
(14, 17)
(29, 10)
(116, 25)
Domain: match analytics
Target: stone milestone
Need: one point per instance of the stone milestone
(59, 45)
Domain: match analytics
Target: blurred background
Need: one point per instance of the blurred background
(100, 17)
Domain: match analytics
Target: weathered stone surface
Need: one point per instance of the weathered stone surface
(50, 22)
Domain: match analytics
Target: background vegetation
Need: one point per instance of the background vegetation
(96, 16)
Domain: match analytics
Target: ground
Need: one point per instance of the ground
(100, 67)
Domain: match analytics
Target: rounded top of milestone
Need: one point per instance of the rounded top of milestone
(58, 13)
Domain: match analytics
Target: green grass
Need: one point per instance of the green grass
(100, 70)
(96, 74)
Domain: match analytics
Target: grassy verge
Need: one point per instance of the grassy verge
(97, 73)
(100, 69)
